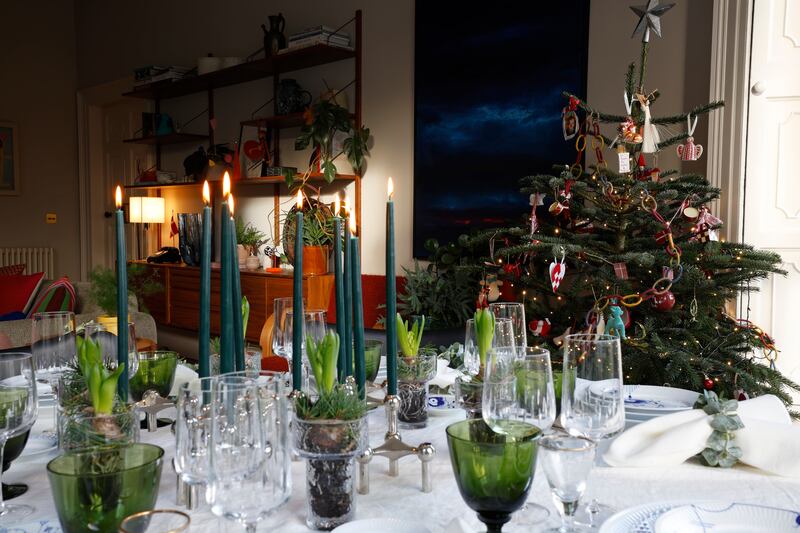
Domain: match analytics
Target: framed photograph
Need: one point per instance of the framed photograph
(9, 159)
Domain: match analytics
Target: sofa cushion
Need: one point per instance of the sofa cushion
(59, 296)
(13, 315)
(12, 270)
(19, 292)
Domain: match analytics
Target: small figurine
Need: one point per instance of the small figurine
(615, 326)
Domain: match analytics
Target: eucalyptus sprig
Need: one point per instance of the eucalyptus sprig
(323, 356)
(409, 339)
(720, 447)
(484, 333)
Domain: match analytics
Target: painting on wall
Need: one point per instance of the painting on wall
(487, 99)
(9, 159)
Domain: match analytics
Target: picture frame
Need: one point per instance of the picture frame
(9, 159)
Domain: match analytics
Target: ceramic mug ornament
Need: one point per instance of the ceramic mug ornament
(689, 151)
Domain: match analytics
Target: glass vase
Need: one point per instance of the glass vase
(84, 429)
(413, 375)
(330, 447)
(95, 489)
(156, 372)
(468, 391)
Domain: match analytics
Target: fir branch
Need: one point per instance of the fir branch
(602, 117)
(681, 118)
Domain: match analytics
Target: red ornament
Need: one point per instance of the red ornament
(664, 302)
(540, 328)
(708, 383)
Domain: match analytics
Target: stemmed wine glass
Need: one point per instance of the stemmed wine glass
(18, 410)
(514, 311)
(503, 338)
(592, 400)
(99, 333)
(314, 327)
(53, 348)
(566, 461)
(281, 335)
(245, 483)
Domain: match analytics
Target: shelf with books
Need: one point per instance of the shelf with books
(169, 138)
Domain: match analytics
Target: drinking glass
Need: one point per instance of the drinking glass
(18, 410)
(53, 348)
(503, 337)
(281, 335)
(514, 311)
(592, 400)
(566, 461)
(108, 345)
(314, 327)
(156, 521)
(192, 430)
(244, 484)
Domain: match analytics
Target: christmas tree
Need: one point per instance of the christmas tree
(625, 248)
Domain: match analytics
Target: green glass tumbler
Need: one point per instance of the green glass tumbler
(95, 489)
(494, 472)
(372, 358)
(156, 372)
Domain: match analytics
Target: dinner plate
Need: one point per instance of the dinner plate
(657, 400)
(384, 525)
(728, 517)
(39, 443)
(639, 519)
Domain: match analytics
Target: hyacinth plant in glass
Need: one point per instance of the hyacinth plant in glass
(329, 430)
(415, 368)
(469, 387)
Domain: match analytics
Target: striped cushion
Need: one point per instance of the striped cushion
(12, 270)
(59, 296)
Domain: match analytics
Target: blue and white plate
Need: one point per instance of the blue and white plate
(727, 517)
(639, 519)
(655, 400)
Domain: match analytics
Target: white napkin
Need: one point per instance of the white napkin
(183, 374)
(769, 440)
(445, 376)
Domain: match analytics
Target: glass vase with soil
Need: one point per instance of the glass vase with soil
(413, 375)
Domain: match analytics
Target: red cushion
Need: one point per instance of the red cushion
(12, 270)
(59, 296)
(17, 292)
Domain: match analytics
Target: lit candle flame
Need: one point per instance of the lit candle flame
(337, 206)
(352, 219)
(118, 197)
(346, 205)
(300, 200)
(230, 204)
(226, 185)
(206, 193)
(391, 188)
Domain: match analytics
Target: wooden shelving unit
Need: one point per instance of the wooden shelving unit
(274, 67)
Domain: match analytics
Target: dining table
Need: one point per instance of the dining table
(401, 497)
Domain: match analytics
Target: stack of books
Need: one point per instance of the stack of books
(155, 73)
(319, 35)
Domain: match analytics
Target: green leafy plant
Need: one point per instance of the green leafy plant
(317, 228)
(142, 282)
(101, 383)
(409, 339)
(323, 356)
(721, 449)
(249, 236)
(323, 120)
(446, 297)
(484, 333)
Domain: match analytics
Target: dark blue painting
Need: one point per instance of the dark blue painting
(488, 84)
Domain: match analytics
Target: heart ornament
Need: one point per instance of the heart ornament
(557, 271)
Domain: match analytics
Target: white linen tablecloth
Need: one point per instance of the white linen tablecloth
(401, 497)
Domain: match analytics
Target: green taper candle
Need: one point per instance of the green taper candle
(358, 321)
(122, 299)
(204, 333)
(391, 297)
(339, 287)
(297, 295)
(229, 262)
(236, 291)
(347, 340)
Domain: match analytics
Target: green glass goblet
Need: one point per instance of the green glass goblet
(494, 472)
(156, 372)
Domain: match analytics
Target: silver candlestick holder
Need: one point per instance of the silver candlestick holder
(393, 448)
(151, 404)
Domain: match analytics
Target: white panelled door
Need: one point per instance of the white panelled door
(772, 195)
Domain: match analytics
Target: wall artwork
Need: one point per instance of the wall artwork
(488, 104)
(9, 159)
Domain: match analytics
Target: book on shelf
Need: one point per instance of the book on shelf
(155, 73)
(320, 39)
(314, 30)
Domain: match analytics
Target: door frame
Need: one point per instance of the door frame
(731, 39)
(89, 101)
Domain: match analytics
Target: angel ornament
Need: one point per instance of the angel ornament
(650, 137)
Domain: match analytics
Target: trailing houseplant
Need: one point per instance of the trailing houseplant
(318, 232)
(329, 430)
(415, 367)
(324, 121)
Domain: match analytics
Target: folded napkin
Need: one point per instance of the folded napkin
(183, 374)
(769, 440)
(445, 376)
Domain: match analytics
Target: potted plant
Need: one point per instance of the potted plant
(329, 431)
(317, 235)
(142, 282)
(248, 239)
(415, 368)
(468, 389)
(326, 122)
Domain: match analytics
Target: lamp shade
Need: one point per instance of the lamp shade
(147, 209)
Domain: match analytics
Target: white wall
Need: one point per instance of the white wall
(115, 37)
(37, 92)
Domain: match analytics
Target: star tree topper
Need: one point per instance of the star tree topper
(650, 18)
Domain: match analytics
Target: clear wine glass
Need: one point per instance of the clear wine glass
(592, 400)
(514, 311)
(192, 430)
(245, 485)
(108, 344)
(18, 411)
(313, 326)
(53, 348)
(567, 461)
(503, 338)
(281, 336)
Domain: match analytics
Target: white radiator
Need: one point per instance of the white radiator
(35, 259)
